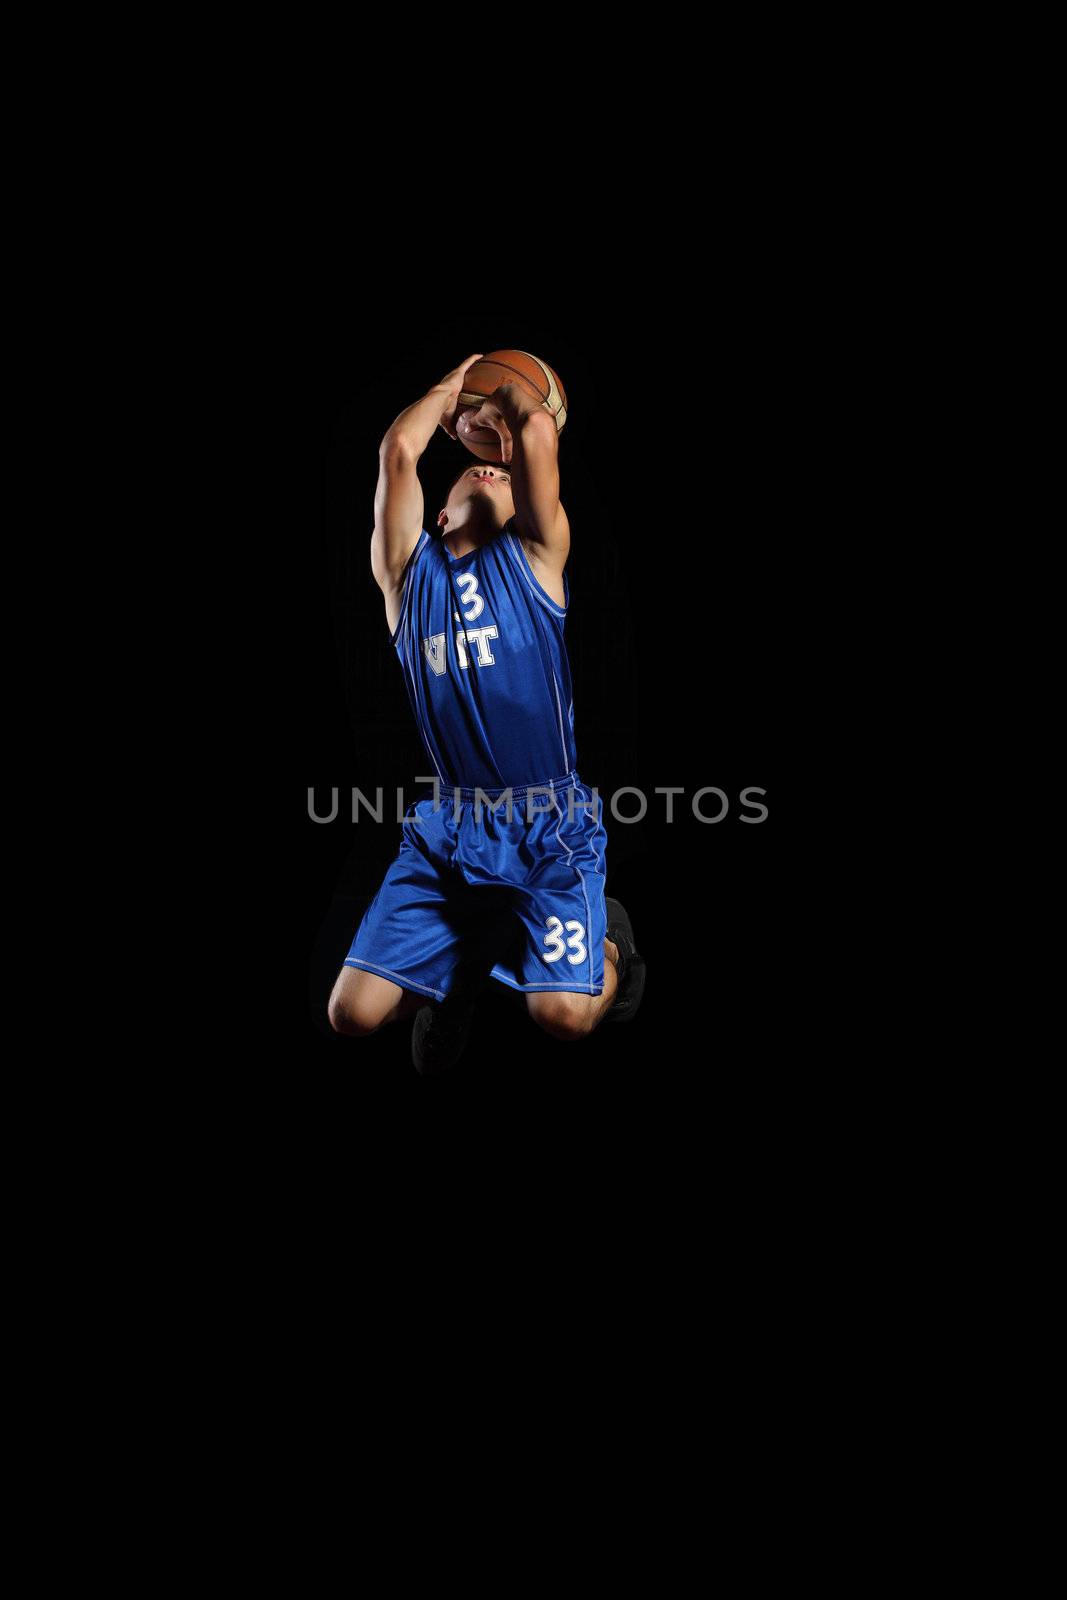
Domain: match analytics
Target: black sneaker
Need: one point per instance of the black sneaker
(439, 1034)
(631, 968)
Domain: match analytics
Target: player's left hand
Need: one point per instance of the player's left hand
(488, 418)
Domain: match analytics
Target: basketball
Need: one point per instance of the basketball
(535, 378)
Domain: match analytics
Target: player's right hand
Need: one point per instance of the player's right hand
(451, 384)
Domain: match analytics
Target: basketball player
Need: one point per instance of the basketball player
(508, 865)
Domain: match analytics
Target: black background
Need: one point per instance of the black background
(691, 467)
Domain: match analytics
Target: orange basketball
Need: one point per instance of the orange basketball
(536, 378)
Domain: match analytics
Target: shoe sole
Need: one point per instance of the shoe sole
(637, 988)
(426, 1071)
(616, 913)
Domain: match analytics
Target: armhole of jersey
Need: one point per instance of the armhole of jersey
(513, 541)
(424, 539)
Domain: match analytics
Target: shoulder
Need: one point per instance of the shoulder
(535, 549)
(552, 551)
(424, 544)
(398, 599)
(547, 583)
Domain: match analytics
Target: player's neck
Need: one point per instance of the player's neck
(469, 536)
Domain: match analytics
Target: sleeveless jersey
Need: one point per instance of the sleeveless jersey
(485, 664)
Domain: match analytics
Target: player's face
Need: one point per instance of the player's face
(487, 482)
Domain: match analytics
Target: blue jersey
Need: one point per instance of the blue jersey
(481, 645)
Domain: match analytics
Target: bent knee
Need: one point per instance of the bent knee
(355, 1021)
(564, 1016)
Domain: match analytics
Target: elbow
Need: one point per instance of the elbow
(396, 447)
(540, 428)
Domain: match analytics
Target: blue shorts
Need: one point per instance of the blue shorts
(472, 888)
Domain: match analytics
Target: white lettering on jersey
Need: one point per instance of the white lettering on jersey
(434, 650)
(480, 637)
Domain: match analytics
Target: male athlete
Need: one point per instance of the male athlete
(506, 863)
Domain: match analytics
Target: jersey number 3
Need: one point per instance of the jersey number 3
(468, 582)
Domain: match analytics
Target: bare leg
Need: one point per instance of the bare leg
(362, 1002)
(572, 1016)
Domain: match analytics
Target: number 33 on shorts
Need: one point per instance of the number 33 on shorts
(557, 945)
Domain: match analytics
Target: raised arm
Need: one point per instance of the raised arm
(530, 445)
(398, 501)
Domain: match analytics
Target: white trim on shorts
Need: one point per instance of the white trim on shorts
(394, 977)
(558, 988)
